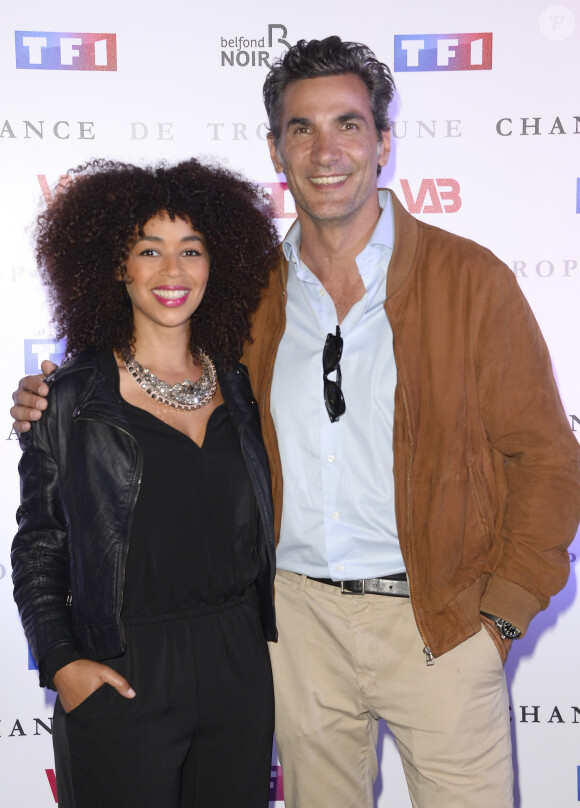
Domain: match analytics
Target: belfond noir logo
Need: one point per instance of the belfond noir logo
(254, 51)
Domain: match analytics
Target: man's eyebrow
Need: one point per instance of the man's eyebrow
(345, 117)
(298, 122)
(349, 116)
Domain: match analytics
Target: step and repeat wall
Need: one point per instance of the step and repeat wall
(486, 143)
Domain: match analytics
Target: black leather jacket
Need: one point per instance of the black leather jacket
(80, 474)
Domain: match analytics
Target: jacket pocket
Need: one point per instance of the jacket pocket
(482, 503)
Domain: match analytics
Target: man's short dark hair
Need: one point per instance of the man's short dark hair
(329, 57)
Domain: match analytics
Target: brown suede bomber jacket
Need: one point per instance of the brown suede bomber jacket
(486, 467)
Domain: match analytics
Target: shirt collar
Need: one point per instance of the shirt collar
(382, 234)
(380, 244)
(291, 244)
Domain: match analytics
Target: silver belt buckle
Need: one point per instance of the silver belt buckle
(350, 591)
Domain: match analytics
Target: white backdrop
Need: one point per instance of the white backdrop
(486, 144)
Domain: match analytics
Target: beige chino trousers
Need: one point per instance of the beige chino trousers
(342, 663)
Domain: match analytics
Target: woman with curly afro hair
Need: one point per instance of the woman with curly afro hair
(143, 564)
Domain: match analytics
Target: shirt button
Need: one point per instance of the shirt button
(331, 458)
(340, 567)
(334, 515)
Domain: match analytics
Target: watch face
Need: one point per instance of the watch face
(508, 630)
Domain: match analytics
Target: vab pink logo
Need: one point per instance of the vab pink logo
(427, 52)
(52, 782)
(433, 196)
(49, 50)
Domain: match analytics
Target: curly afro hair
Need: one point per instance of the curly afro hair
(84, 237)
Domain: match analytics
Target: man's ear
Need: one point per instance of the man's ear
(275, 154)
(384, 147)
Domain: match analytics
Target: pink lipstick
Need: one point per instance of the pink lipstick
(171, 296)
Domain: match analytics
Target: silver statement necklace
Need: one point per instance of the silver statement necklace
(185, 395)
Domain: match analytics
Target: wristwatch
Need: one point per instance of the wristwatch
(506, 630)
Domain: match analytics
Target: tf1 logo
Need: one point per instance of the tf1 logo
(426, 52)
(37, 350)
(49, 50)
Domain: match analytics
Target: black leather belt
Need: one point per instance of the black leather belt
(395, 585)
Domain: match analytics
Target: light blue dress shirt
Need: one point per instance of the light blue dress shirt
(338, 517)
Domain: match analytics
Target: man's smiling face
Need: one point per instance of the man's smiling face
(329, 149)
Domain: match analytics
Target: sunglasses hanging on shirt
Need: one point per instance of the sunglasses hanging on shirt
(333, 397)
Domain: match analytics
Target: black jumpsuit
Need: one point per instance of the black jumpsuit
(199, 731)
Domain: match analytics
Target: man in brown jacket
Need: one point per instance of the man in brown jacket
(431, 480)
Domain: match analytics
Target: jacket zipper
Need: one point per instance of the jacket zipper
(262, 510)
(129, 526)
(429, 658)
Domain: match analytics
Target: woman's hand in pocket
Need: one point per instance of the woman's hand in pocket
(77, 680)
